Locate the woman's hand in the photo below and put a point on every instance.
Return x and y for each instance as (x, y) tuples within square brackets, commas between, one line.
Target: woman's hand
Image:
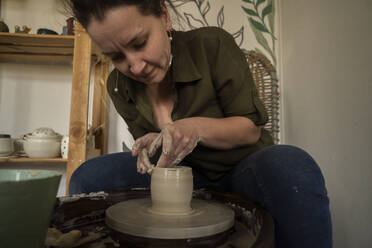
[(177, 139), (141, 149)]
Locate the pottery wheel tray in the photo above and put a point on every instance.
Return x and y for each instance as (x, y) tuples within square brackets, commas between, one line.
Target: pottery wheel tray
[(254, 226)]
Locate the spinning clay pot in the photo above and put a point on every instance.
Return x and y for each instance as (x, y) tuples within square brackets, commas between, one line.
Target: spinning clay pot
[(171, 190)]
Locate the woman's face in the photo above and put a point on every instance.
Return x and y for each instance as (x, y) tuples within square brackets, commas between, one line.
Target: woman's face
[(138, 45)]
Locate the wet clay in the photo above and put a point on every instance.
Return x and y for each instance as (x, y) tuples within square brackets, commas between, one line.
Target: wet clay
[(171, 191), (170, 213)]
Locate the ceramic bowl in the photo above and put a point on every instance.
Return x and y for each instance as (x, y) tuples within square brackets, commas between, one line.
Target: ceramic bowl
[(39, 148), (26, 206), (6, 145), (46, 31)]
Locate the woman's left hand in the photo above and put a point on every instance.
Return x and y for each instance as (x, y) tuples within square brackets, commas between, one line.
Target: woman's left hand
[(141, 149), (177, 139)]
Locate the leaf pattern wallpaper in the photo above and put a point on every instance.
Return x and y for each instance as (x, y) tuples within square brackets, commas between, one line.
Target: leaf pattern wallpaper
[(250, 22)]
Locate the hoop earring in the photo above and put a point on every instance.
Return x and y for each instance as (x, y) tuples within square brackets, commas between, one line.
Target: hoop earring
[(170, 60), (169, 32), (116, 83)]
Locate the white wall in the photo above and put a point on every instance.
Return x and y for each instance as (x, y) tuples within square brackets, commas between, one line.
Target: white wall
[(326, 83), (34, 95)]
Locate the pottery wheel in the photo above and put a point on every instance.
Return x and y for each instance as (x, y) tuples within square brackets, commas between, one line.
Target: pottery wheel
[(134, 218)]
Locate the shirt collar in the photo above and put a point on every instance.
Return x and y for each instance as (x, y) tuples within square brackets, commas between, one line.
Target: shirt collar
[(183, 68)]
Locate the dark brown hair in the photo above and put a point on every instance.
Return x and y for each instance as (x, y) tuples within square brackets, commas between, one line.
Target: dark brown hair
[(84, 10)]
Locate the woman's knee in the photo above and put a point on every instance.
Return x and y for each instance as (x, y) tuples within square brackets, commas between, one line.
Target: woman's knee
[(78, 180), (289, 166), (103, 173)]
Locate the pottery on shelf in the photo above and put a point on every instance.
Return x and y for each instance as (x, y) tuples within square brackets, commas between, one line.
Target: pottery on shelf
[(42, 148), (24, 30), (46, 31), (44, 133), (6, 145), (3, 27), (70, 22), (42, 143)]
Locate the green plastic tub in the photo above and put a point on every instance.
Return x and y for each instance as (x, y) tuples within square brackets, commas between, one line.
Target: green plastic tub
[(27, 199)]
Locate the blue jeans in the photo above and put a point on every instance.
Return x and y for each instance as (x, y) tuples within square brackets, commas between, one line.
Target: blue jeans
[(284, 179)]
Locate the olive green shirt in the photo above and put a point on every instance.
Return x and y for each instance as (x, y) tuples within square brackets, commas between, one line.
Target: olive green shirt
[(211, 78)]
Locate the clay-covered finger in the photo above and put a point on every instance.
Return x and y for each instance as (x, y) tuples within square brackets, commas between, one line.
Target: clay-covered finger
[(143, 162), (167, 141), (149, 171), (138, 144), (164, 161), (185, 146), (180, 147), (141, 168), (143, 142), (140, 164), (176, 161), (186, 150), (146, 161), (155, 145)]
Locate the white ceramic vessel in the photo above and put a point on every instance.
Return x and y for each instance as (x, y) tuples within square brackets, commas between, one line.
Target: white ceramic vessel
[(171, 190), (42, 148), (44, 133), (42, 143)]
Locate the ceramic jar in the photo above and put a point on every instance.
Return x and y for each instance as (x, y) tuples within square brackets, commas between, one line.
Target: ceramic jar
[(3, 26), (6, 145), (42, 143), (44, 133), (171, 190)]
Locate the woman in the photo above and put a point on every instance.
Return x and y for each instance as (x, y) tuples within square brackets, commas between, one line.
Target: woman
[(189, 97)]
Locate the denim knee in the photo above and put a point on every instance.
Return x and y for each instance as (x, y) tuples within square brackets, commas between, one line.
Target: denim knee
[(288, 183), (295, 194), (108, 172), (290, 167), (76, 180)]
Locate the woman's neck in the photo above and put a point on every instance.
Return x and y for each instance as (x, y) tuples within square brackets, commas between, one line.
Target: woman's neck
[(161, 102), (159, 92)]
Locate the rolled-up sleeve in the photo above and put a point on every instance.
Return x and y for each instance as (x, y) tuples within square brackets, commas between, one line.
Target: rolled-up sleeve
[(237, 93)]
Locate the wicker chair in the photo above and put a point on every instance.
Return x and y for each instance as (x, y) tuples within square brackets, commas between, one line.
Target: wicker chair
[(264, 75)]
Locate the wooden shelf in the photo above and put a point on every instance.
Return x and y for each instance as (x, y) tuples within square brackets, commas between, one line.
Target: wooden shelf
[(33, 160), (15, 47), (81, 52), (35, 47)]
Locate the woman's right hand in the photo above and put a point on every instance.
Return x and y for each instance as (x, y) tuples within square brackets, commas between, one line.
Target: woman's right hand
[(141, 148)]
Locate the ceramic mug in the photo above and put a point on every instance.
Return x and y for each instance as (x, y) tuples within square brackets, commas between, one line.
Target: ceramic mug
[(171, 190)]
